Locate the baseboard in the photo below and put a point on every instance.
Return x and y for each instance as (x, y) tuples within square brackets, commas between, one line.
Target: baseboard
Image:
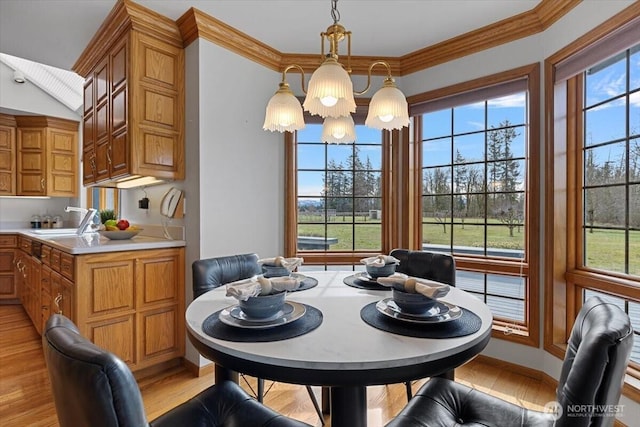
[(199, 371), (518, 369)]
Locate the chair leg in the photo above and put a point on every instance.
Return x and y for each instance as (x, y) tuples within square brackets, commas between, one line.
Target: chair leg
[(407, 384), (260, 394), (315, 404)]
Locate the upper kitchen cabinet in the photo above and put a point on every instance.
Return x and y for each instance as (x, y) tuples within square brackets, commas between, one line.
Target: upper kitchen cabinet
[(38, 156), (133, 99)]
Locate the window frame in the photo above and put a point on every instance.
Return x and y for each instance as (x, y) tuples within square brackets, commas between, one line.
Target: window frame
[(527, 333), (325, 258), (565, 277)]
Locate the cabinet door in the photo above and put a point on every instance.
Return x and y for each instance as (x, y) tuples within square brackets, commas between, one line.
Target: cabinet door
[(63, 295), (31, 162), (61, 173), (160, 305), (119, 99), (102, 118), (7, 277), (157, 125), (45, 294), (7, 160)]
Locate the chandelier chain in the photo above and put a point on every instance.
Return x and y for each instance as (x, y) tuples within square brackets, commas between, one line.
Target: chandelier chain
[(335, 14)]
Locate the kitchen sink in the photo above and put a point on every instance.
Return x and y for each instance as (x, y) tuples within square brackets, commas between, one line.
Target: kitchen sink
[(55, 231)]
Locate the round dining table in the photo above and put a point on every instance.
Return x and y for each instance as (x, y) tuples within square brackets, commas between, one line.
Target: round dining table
[(344, 352)]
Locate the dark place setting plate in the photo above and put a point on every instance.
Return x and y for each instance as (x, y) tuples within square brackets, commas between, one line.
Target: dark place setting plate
[(440, 312), (362, 280), (234, 316)]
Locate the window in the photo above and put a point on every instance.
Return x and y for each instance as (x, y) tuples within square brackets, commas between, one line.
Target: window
[(478, 161), (593, 183), (611, 164), (339, 197)]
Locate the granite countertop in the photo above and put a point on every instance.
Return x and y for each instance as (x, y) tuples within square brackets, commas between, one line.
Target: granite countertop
[(94, 243)]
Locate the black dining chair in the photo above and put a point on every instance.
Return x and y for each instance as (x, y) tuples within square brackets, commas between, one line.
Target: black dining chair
[(211, 273), (436, 266), (591, 377), (94, 388)]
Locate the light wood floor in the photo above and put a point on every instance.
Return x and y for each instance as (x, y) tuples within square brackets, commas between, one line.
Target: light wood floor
[(25, 397)]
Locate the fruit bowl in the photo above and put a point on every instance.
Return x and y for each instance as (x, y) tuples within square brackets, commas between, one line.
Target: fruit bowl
[(119, 234)]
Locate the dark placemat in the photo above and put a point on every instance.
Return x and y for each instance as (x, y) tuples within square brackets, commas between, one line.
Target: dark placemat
[(354, 282), (306, 283), (466, 324), (311, 319)]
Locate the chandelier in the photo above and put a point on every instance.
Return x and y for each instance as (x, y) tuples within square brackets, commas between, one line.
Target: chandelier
[(330, 95)]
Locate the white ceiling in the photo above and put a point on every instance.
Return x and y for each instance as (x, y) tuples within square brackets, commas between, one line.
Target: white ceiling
[(55, 32)]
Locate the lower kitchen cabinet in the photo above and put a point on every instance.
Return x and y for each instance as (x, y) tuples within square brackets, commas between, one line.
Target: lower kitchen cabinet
[(8, 258), (132, 303)]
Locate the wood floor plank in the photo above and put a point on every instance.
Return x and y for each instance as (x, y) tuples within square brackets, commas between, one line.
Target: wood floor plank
[(25, 394)]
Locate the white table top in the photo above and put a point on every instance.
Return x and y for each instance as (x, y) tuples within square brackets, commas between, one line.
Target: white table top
[(343, 341)]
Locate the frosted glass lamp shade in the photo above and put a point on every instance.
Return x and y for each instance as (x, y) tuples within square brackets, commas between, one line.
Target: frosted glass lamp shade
[(338, 130), (284, 112), (388, 108), (330, 92)]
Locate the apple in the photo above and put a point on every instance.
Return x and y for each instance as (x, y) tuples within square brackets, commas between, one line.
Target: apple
[(123, 224), (110, 223)]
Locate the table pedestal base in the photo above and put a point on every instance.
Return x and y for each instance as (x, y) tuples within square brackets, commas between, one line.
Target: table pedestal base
[(349, 406)]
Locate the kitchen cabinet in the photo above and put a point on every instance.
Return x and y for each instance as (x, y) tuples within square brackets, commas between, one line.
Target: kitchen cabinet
[(7, 155), (133, 121), (132, 303), (46, 156), (8, 247), (29, 282)]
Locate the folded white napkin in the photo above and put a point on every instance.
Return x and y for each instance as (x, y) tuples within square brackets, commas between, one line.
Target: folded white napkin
[(260, 285), (415, 285), (244, 289), (380, 260), (279, 261)]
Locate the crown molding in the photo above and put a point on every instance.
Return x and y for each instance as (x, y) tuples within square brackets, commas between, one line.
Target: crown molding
[(197, 24), (125, 16)]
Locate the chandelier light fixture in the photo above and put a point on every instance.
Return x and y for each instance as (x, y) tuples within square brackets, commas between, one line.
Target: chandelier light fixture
[(330, 95)]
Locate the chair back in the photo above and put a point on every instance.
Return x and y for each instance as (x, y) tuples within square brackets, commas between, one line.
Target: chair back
[(213, 272), (91, 387), (594, 365), (436, 266)]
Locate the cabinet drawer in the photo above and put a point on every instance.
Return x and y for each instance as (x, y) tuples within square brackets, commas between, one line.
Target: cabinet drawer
[(55, 259), (66, 265), (45, 255), (25, 244), (8, 241)]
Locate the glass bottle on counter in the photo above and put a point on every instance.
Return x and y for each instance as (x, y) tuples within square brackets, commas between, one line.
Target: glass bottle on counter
[(36, 222), (57, 222), (46, 221)]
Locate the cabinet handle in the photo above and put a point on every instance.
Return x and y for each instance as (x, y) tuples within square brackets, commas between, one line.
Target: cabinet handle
[(109, 155), (56, 301), (93, 163), (42, 183)]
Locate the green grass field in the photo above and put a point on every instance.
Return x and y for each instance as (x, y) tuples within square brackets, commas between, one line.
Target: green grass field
[(605, 248)]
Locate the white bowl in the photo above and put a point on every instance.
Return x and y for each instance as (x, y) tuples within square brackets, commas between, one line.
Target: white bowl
[(120, 234)]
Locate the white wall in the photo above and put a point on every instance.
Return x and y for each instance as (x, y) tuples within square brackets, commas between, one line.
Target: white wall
[(241, 166), (235, 170)]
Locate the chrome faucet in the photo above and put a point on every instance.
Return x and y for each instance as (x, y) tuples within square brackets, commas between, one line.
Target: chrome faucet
[(85, 223)]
